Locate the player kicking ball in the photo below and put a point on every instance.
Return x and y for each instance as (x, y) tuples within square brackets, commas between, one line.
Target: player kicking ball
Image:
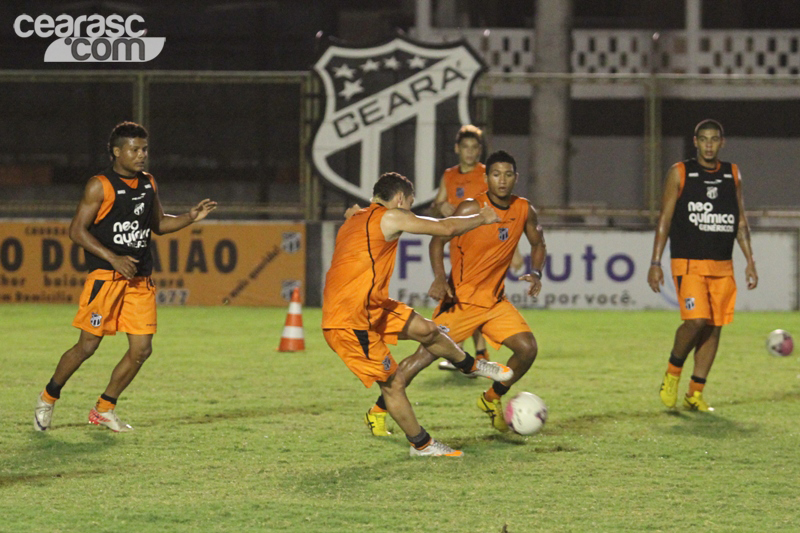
[(473, 297), (359, 318)]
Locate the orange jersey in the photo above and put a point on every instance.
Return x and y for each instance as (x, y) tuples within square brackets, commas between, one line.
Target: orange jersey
[(460, 186), (481, 257), (357, 283)]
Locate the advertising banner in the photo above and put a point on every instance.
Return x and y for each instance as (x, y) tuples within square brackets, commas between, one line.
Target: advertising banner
[(607, 269), (211, 263)]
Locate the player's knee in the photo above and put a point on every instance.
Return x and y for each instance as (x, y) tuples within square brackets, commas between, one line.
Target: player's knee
[(529, 349), (140, 356), (86, 348), (428, 332)]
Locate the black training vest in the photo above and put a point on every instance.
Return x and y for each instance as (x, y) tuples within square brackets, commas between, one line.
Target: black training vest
[(125, 230), (706, 216)]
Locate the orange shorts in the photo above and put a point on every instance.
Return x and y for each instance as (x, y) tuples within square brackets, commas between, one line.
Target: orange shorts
[(365, 351), (497, 323), (110, 303), (709, 297)]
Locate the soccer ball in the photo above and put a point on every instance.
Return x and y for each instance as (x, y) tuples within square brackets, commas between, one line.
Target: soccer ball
[(780, 343), (525, 414)]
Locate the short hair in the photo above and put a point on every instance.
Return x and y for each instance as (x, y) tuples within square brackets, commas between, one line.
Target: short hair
[(389, 184), (125, 130), (500, 156), (709, 124), (469, 131)]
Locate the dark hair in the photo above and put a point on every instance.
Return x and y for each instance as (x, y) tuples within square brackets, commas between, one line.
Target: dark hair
[(500, 156), (709, 124), (469, 131), (125, 130), (389, 184)]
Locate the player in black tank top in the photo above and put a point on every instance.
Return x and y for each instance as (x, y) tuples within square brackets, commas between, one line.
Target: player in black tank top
[(119, 211), (702, 213)]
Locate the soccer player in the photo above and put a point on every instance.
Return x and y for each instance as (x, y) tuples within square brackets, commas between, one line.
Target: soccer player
[(466, 180), (119, 210), (359, 318), (702, 213), (474, 294)]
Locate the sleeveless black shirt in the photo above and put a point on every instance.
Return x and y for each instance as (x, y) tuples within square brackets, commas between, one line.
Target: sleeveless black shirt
[(125, 230), (706, 216)]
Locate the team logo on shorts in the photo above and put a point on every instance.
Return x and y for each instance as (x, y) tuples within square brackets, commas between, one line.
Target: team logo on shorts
[(502, 234), (385, 108), (387, 363), (96, 320), (688, 303), (712, 192)]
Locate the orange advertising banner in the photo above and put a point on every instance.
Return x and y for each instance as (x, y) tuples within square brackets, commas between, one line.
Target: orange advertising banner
[(210, 263)]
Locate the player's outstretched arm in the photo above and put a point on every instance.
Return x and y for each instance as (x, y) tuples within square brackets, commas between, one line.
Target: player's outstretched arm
[(743, 238), (672, 187), (396, 221), (163, 223), (535, 235), (87, 211)]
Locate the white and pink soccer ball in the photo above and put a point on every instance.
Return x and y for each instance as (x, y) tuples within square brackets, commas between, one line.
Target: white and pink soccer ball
[(525, 413), (780, 343)]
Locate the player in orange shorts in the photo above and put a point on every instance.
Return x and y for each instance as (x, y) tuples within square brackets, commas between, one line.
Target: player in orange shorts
[(119, 210), (702, 213), (461, 182), (474, 295), (359, 318)]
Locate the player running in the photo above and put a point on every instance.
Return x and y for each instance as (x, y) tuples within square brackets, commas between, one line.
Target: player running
[(119, 210), (473, 296), (359, 318)]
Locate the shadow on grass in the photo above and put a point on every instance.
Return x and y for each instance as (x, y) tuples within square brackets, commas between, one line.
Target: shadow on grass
[(45, 447)]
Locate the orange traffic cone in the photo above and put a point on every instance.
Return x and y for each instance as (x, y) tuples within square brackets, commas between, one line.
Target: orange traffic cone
[(292, 338)]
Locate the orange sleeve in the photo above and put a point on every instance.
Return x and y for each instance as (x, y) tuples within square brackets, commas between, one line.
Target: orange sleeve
[(736, 176), (682, 169), (109, 195)]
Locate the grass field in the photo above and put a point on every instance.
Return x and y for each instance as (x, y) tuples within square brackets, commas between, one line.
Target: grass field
[(233, 436)]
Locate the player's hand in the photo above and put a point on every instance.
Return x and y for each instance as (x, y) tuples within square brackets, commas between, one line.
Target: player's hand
[(751, 276), (201, 210), (655, 278), (440, 289), (125, 265), (446, 209), (489, 214), (352, 210), (536, 284)]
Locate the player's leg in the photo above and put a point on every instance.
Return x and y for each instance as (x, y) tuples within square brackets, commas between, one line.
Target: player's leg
[(722, 296), (393, 391), (480, 345), (104, 412), (427, 333), (524, 348), (704, 356), (70, 361), (695, 308), (504, 324)]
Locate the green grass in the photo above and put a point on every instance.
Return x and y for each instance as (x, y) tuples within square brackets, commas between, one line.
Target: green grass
[(233, 436)]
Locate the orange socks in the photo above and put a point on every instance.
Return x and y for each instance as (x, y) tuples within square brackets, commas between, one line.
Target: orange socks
[(490, 395), (674, 370), (104, 406), (49, 399), (695, 387), (375, 409)]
